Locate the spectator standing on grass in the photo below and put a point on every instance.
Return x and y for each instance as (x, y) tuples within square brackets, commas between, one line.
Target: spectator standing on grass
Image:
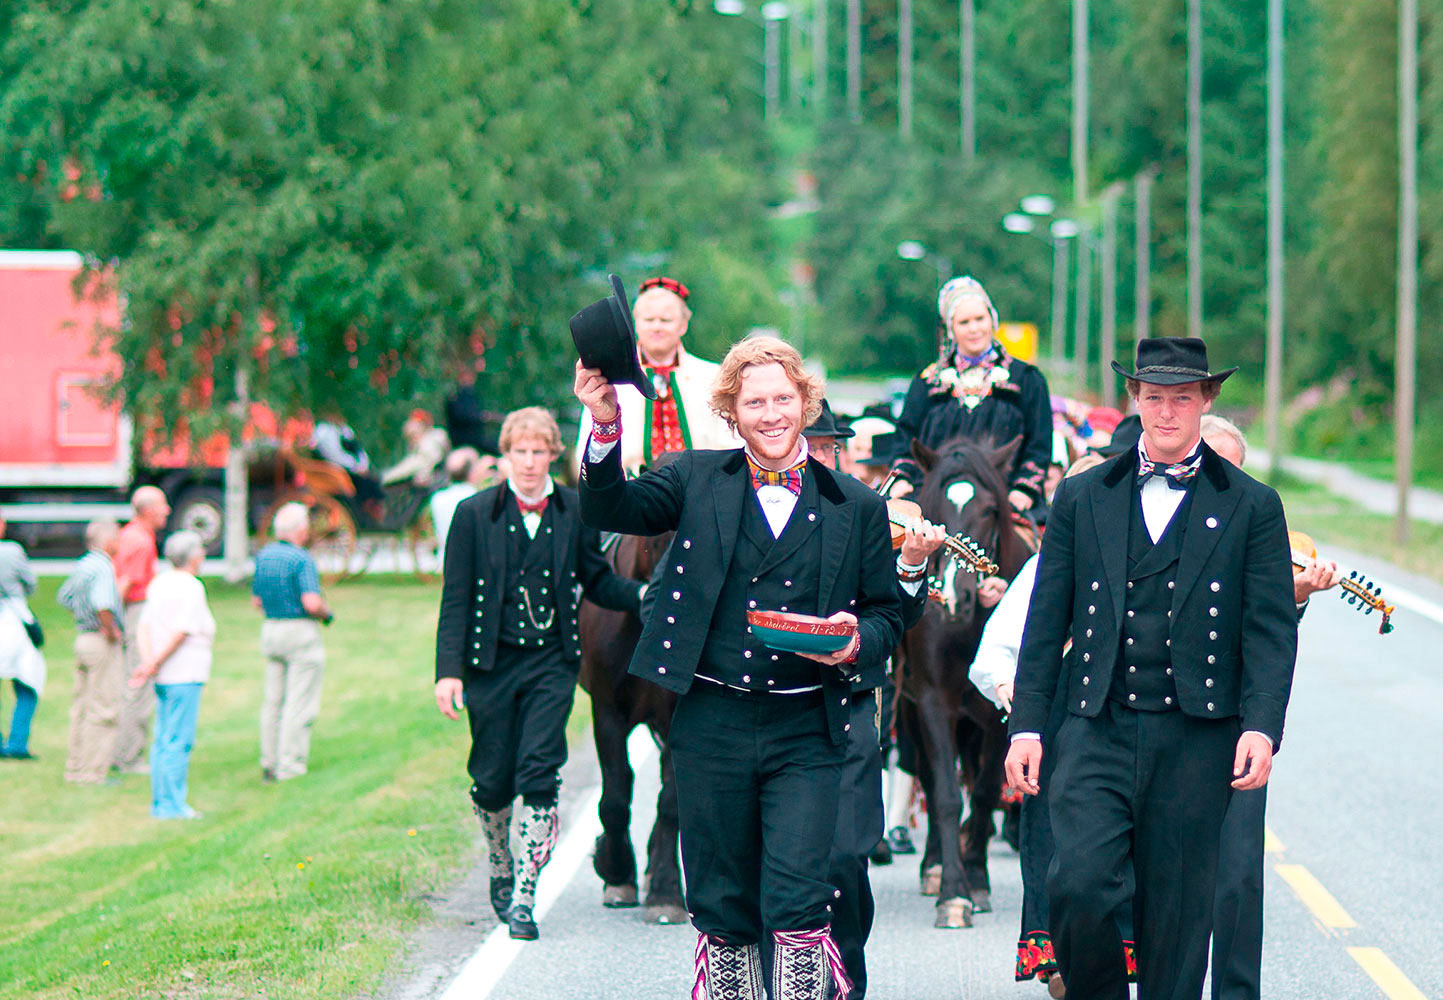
[(90, 594), (462, 467), (288, 589), (175, 633), (135, 558), (20, 658)]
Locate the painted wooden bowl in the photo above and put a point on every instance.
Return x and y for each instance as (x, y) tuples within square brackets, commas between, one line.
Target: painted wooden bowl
[(793, 633)]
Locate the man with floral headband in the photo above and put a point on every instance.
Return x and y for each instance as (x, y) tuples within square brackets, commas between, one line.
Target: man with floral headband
[(680, 418)]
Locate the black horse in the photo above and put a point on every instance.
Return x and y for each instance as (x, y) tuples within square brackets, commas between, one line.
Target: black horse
[(620, 703), (953, 726)]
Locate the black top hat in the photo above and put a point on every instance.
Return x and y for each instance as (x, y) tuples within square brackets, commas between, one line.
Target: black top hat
[(826, 425), (1172, 361), (605, 339)]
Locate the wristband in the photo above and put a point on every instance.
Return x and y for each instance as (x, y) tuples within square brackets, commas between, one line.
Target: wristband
[(608, 432)]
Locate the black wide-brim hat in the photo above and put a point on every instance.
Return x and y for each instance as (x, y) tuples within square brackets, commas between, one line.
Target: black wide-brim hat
[(1124, 437), (826, 426), (1172, 361), (605, 339)]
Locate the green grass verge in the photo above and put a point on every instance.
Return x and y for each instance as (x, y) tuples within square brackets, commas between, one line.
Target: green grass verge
[(302, 889), (1331, 518)]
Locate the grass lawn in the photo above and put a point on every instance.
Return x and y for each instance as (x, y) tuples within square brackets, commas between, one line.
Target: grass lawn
[(1330, 518), (301, 889)]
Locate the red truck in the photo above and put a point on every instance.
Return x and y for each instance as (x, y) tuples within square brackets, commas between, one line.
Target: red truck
[(68, 456)]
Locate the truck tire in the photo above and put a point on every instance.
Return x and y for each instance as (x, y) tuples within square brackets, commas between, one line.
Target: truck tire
[(201, 509)]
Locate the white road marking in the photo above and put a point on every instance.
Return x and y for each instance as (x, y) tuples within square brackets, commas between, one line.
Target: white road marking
[(484, 970)]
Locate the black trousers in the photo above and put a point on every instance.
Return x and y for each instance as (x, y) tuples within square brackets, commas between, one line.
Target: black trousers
[(1238, 910), (859, 826), (757, 779), (1155, 786), (518, 715)]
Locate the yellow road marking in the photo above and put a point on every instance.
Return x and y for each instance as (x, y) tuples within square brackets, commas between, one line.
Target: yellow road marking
[(1315, 897), (1271, 843), (1389, 977)]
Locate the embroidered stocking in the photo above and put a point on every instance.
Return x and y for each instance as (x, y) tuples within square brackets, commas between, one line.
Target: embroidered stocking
[(539, 829), (497, 827)]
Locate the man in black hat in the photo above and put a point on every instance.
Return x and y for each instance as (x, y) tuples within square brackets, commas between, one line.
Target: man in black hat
[(759, 735), (1169, 570)]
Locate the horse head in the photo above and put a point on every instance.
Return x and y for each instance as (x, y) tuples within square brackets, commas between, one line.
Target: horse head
[(964, 487)]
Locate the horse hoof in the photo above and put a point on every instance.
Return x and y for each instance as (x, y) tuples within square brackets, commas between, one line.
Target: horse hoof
[(954, 913), (665, 914), (932, 881), (618, 897), (981, 901), (1055, 988)]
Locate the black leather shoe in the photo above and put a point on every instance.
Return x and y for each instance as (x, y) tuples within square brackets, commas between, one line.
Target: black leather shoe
[(882, 853), (899, 838), (501, 896), (523, 928)]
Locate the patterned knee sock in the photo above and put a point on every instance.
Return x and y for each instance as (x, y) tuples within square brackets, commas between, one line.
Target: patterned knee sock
[(539, 828), (497, 827)]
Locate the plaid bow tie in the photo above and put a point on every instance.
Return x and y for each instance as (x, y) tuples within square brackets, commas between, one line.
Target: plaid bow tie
[(1179, 476), (790, 478), (527, 507)]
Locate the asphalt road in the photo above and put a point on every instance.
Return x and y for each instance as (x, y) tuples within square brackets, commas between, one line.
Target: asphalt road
[(1354, 887)]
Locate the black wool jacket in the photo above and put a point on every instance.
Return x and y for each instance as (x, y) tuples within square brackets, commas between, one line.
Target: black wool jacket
[(475, 573), (1234, 627), (700, 497)]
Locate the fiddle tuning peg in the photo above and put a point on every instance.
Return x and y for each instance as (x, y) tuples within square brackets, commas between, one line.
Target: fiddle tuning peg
[(1352, 574)]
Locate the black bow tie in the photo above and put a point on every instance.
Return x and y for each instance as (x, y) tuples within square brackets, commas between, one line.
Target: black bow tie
[(1179, 476)]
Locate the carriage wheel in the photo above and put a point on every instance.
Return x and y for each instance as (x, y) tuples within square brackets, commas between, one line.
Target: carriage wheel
[(420, 537), (333, 532)]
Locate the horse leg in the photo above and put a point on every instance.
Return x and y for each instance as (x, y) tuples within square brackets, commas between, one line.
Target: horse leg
[(615, 861), (986, 795), (664, 903), (944, 811), (930, 870)]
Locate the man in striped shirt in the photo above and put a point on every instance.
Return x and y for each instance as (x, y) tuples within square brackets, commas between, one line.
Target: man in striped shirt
[(91, 596)]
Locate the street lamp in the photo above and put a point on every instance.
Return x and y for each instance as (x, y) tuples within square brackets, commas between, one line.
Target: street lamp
[(915, 250), (772, 14), (1038, 204), (1033, 207), (1017, 222)]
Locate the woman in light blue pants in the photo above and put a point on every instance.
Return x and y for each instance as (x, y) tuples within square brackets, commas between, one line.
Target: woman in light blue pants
[(177, 633)]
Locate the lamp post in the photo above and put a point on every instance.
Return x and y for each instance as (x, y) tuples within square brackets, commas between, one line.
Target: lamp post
[(915, 250), (1059, 233), (772, 13)]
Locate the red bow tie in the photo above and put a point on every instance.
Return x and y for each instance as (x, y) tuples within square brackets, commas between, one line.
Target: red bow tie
[(527, 507), (789, 478)]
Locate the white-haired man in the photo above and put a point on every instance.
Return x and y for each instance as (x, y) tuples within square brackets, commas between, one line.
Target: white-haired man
[(93, 599), (681, 417), (287, 589), (135, 559)]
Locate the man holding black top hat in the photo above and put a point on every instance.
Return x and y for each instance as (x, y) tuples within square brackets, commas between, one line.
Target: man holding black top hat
[(1169, 570), (758, 733), (668, 408)]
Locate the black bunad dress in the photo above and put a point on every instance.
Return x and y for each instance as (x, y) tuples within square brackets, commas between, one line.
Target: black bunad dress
[(1178, 646), (999, 399), (758, 736)]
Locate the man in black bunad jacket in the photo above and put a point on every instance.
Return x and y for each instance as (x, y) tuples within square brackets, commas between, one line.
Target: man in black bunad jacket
[(518, 562), (1169, 570), (758, 736)]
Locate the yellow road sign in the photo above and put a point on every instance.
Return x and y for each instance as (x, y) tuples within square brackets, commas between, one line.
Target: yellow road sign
[(1020, 339)]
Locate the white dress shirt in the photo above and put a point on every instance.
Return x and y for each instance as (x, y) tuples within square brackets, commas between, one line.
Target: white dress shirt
[(532, 521), (1159, 500), (996, 661), (778, 502)]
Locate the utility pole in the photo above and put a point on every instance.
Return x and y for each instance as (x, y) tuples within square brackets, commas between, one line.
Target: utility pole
[(1194, 169), (904, 69), (1084, 309), (1142, 289), (819, 57), (1107, 349), (1059, 300), (1079, 105), (969, 80), (1273, 370), (854, 60), (796, 81), (772, 68), (1406, 361)]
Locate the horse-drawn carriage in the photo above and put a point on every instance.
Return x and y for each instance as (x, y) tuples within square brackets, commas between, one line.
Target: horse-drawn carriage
[(347, 533)]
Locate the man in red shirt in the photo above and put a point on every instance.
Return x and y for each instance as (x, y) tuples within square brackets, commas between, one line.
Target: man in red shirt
[(135, 560)]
